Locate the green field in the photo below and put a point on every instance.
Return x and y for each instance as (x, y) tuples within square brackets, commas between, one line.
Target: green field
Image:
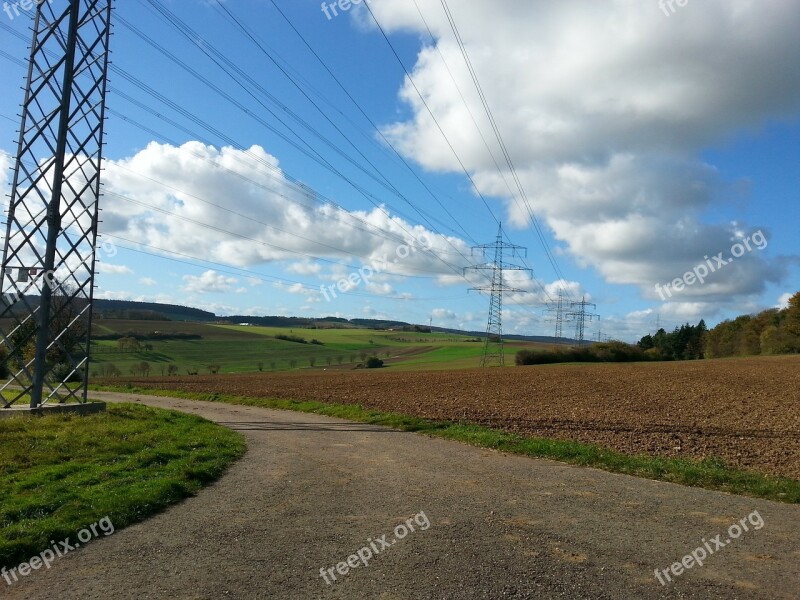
[(244, 348), (61, 473)]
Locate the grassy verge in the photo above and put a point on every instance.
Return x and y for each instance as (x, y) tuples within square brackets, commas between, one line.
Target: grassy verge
[(709, 474), (59, 474)]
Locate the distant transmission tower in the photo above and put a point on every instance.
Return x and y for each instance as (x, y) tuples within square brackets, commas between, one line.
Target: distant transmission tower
[(493, 345), (47, 276), (558, 308), (580, 315)]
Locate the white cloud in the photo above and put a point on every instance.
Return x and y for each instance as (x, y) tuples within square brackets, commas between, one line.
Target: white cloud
[(605, 108), (148, 281), (783, 301), (443, 314), (122, 295), (294, 288), (5, 165), (305, 268), (288, 222), (110, 269), (381, 289), (209, 282)]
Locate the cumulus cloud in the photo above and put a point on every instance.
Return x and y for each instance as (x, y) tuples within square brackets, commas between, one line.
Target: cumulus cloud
[(148, 281), (109, 269), (605, 108), (305, 268), (783, 301), (238, 207), (5, 165), (209, 282), (443, 314)]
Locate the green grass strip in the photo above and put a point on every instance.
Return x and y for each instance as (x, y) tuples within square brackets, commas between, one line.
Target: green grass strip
[(712, 474), (60, 474)]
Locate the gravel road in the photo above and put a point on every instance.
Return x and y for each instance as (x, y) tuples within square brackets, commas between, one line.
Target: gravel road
[(312, 491)]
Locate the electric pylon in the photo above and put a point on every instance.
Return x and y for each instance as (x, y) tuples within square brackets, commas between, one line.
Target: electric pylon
[(47, 276), (558, 308), (580, 315), (493, 345)]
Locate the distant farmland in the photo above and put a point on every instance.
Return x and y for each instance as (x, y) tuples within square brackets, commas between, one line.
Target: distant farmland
[(242, 348), (742, 411)]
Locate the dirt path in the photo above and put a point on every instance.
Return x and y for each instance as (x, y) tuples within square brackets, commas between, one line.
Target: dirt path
[(312, 490)]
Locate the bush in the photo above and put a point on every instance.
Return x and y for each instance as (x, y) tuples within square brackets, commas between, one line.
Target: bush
[(291, 338), (374, 363), (109, 370), (61, 372), (606, 352), (4, 371), (614, 351)]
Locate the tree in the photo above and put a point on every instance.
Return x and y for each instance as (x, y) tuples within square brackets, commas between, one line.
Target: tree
[(646, 342), (312, 360), (109, 370), (374, 363), (129, 344), (293, 363), (172, 370), (775, 340), (260, 365), (792, 320), (214, 369), (340, 359)]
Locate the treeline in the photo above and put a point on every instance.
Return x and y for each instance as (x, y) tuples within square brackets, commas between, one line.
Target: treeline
[(612, 351), (686, 342), (132, 315), (773, 331), (150, 336)]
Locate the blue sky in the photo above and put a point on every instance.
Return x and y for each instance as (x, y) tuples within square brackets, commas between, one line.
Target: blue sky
[(644, 141)]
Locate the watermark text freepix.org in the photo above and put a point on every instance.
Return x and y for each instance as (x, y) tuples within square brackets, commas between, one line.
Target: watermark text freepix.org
[(712, 265), (367, 272), (47, 557), (668, 6), (15, 9), (375, 547), (331, 9), (701, 553)]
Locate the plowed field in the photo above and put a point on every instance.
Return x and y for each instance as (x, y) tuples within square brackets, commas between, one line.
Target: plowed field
[(745, 411)]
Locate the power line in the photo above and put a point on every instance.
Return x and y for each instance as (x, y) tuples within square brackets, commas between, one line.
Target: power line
[(501, 141), (493, 353), (192, 36), (240, 271), (365, 115), (430, 112), (581, 315)]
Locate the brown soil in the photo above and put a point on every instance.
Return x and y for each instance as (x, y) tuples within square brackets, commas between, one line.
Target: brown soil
[(744, 411)]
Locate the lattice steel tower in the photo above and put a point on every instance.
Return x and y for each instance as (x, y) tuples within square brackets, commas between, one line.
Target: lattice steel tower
[(51, 234), (493, 345), (581, 315), (558, 308)]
